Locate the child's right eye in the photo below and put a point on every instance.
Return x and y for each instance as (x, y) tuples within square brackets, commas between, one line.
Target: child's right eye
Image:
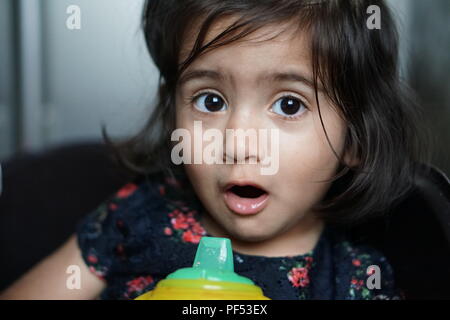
[(208, 102)]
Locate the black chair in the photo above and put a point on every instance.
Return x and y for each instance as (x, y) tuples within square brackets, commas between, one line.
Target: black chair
[(415, 237), (45, 195)]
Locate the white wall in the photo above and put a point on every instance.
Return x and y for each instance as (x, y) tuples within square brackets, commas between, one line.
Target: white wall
[(402, 14), (98, 74), (6, 96)]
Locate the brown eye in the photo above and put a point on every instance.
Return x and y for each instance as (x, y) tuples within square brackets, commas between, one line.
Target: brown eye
[(289, 106), (209, 102)]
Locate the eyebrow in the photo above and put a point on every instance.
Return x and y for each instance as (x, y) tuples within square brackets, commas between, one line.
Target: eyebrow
[(272, 77), (200, 74)]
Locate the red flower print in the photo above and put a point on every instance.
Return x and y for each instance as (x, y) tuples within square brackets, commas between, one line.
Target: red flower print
[(356, 262), (113, 206), (190, 219), (139, 284), (299, 277), (126, 190), (92, 259), (162, 190), (180, 222), (198, 229), (357, 284), (186, 222), (188, 236), (370, 271), (175, 213), (97, 272)]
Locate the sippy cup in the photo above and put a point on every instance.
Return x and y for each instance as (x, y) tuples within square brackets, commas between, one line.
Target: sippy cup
[(211, 277)]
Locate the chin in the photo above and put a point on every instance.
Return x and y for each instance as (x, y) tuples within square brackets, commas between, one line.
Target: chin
[(250, 235)]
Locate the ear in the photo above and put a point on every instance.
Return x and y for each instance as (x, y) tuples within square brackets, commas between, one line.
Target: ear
[(351, 157)]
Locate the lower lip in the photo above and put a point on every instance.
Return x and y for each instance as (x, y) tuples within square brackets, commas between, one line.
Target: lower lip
[(245, 206)]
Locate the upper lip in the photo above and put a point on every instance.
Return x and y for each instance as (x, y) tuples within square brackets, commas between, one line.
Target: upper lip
[(243, 183)]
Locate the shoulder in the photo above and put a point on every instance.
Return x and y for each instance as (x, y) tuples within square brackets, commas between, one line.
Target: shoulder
[(363, 272), (139, 234), (131, 210), (128, 202)]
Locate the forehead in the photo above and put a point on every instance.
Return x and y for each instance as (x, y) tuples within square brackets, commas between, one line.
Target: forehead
[(272, 45)]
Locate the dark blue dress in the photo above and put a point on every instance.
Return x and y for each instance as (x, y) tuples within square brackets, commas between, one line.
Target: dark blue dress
[(150, 228)]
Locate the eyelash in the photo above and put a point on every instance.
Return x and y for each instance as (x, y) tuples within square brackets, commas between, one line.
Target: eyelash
[(194, 97)]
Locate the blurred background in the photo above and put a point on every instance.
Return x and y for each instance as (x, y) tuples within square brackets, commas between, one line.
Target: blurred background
[(58, 86)]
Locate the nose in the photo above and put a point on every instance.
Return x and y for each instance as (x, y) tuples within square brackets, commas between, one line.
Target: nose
[(241, 137)]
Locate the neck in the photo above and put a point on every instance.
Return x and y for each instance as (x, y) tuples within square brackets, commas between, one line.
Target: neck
[(298, 240)]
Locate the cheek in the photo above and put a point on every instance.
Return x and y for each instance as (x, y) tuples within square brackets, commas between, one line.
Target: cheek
[(202, 177), (308, 154), (305, 166)]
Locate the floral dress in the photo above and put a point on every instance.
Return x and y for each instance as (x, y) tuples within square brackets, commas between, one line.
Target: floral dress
[(150, 228)]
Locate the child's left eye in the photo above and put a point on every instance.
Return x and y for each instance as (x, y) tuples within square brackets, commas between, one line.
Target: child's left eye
[(208, 102), (290, 107)]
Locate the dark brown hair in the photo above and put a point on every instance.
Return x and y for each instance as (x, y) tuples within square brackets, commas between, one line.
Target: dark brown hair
[(358, 68)]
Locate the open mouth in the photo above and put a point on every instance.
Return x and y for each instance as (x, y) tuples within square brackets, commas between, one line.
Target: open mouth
[(247, 191), (245, 199)]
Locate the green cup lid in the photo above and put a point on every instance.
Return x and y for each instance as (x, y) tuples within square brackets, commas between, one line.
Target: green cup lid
[(213, 261)]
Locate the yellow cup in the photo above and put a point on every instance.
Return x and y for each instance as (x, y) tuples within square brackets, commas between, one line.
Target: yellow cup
[(211, 277), (170, 289)]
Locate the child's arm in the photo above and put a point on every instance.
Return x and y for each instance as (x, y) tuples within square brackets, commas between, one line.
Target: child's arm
[(47, 280)]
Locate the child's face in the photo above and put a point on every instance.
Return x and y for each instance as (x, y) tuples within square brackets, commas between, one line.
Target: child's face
[(305, 157)]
